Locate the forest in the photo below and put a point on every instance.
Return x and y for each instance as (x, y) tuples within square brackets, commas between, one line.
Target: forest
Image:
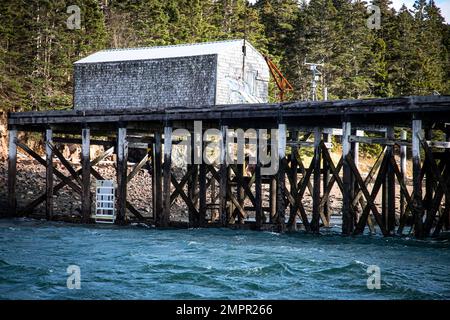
[(407, 55)]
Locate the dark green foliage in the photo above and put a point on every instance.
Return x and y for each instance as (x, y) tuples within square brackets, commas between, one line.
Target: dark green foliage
[(409, 55)]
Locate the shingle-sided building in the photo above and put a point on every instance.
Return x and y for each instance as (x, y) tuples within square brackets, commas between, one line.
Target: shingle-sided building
[(183, 75)]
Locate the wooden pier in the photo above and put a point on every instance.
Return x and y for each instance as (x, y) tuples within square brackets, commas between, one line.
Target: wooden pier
[(232, 194)]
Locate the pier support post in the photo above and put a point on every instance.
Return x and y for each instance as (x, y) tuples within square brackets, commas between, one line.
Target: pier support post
[(157, 178), (316, 185), (347, 217), (390, 222), (326, 179), (202, 195), (292, 225), (417, 183), (12, 172), (223, 178), (258, 187), (192, 184), (49, 174), (280, 204), (403, 152), (122, 161), (86, 201), (164, 222)]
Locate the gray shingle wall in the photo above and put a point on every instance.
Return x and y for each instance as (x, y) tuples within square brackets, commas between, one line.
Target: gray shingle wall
[(184, 81), (230, 73)]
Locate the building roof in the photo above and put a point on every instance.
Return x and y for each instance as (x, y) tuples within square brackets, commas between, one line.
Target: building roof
[(173, 51)]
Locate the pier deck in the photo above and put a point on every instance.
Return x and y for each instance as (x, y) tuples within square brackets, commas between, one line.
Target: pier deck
[(232, 193)]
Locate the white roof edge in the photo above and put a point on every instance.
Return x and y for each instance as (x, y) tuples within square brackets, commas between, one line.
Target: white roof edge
[(160, 52)]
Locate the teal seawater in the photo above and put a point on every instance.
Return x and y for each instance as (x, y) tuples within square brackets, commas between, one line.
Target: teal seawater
[(143, 263)]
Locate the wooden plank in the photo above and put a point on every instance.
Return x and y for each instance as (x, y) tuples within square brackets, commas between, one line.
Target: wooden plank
[(223, 178), (165, 217), (12, 172), (327, 137), (380, 141), (137, 168), (157, 178), (258, 185), (280, 204), (66, 163), (390, 223), (403, 159), (122, 160), (347, 194), (86, 198), (417, 182), (317, 178), (293, 180), (49, 174), (202, 194)]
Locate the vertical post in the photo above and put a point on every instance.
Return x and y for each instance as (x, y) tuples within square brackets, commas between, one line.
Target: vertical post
[(86, 200), (192, 182), (258, 187), (49, 174), (281, 208), (417, 183), (12, 172), (403, 151), (347, 219), (294, 172), (390, 225), (157, 179), (164, 222), (240, 188), (429, 175), (316, 189), (202, 195), (223, 178), (273, 198), (122, 161), (326, 178)]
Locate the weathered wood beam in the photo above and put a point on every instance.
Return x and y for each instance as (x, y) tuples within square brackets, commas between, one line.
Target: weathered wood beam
[(12, 172), (317, 178), (280, 204), (347, 194), (258, 186), (390, 185), (86, 198), (157, 196), (49, 174), (223, 178), (164, 221), (122, 160), (417, 182)]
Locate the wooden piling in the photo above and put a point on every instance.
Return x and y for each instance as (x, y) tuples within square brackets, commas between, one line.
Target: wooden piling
[(316, 184), (403, 154), (165, 217), (49, 174), (12, 172), (258, 186), (157, 178), (280, 204), (347, 218), (327, 138), (122, 161), (86, 199), (390, 188), (417, 183), (292, 226), (223, 185)]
